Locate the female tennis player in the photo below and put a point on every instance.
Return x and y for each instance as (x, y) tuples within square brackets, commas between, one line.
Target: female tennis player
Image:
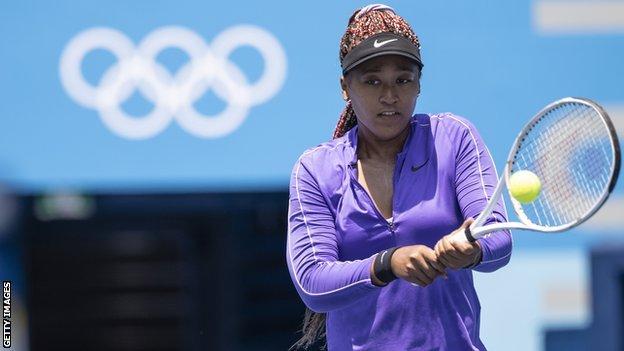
[(371, 211)]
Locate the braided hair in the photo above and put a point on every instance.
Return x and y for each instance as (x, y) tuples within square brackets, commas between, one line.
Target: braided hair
[(363, 23)]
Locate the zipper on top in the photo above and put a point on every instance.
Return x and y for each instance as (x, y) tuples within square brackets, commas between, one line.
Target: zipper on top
[(389, 224)]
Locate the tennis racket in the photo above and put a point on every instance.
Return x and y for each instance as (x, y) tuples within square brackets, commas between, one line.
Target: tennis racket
[(572, 146)]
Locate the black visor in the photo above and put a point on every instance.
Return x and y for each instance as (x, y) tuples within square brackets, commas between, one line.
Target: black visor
[(378, 45)]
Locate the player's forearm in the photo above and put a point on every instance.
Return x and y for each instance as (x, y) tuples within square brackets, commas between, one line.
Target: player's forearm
[(327, 286), (496, 251)]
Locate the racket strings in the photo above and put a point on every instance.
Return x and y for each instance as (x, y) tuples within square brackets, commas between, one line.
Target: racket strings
[(569, 148), (579, 191), (572, 208), (534, 154)]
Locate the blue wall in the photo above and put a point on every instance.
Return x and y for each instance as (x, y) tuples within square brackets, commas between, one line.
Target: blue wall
[(484, 60)]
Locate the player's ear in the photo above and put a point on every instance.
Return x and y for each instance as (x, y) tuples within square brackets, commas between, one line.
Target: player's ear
[(345, 96), (343, 86)]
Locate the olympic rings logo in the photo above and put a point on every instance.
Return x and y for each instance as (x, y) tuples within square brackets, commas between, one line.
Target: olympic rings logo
[(173, 96)]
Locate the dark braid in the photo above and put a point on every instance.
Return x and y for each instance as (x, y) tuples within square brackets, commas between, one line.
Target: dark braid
[(313, 330), (360, 27), (346, 121), (371, 21)]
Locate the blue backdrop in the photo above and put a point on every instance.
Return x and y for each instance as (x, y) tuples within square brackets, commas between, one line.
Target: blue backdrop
[(484, 60)]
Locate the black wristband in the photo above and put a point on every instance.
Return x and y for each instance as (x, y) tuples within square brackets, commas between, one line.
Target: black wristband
[(383, 265), (476, 262)]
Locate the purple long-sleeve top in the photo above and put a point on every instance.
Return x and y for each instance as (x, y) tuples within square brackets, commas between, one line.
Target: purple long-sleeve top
[(443, 175)]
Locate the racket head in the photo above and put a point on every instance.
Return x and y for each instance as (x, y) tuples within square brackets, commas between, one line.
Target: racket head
[(572, 146)]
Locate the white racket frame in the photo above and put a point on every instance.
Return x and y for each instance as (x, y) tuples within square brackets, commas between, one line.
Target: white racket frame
[(476, 230)]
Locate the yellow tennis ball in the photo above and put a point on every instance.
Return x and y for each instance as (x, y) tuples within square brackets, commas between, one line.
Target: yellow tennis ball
[(524, 186)]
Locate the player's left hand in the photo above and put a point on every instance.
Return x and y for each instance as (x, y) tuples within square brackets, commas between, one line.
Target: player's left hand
[(457, 254)]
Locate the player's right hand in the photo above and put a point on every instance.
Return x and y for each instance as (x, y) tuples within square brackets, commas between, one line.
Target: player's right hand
[(417, 264)]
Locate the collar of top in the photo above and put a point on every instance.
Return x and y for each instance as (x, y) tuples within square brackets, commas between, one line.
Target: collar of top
[(386, 43), (419, 138)]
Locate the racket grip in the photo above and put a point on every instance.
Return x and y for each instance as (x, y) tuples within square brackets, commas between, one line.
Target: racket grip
[(469, 236)]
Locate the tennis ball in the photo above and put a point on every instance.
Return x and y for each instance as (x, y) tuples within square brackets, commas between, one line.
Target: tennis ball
[(524, 186)]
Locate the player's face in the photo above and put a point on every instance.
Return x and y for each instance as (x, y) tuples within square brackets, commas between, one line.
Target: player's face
[(383, 92)]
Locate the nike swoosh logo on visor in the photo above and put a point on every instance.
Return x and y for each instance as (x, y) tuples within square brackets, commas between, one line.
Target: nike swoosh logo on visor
[(382, 43)]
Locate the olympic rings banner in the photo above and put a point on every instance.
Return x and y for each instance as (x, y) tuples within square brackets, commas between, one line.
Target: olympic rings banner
[(200, 96), (173, 96)]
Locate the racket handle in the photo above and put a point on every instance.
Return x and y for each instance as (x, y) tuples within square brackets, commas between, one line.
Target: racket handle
[(469, 236)]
